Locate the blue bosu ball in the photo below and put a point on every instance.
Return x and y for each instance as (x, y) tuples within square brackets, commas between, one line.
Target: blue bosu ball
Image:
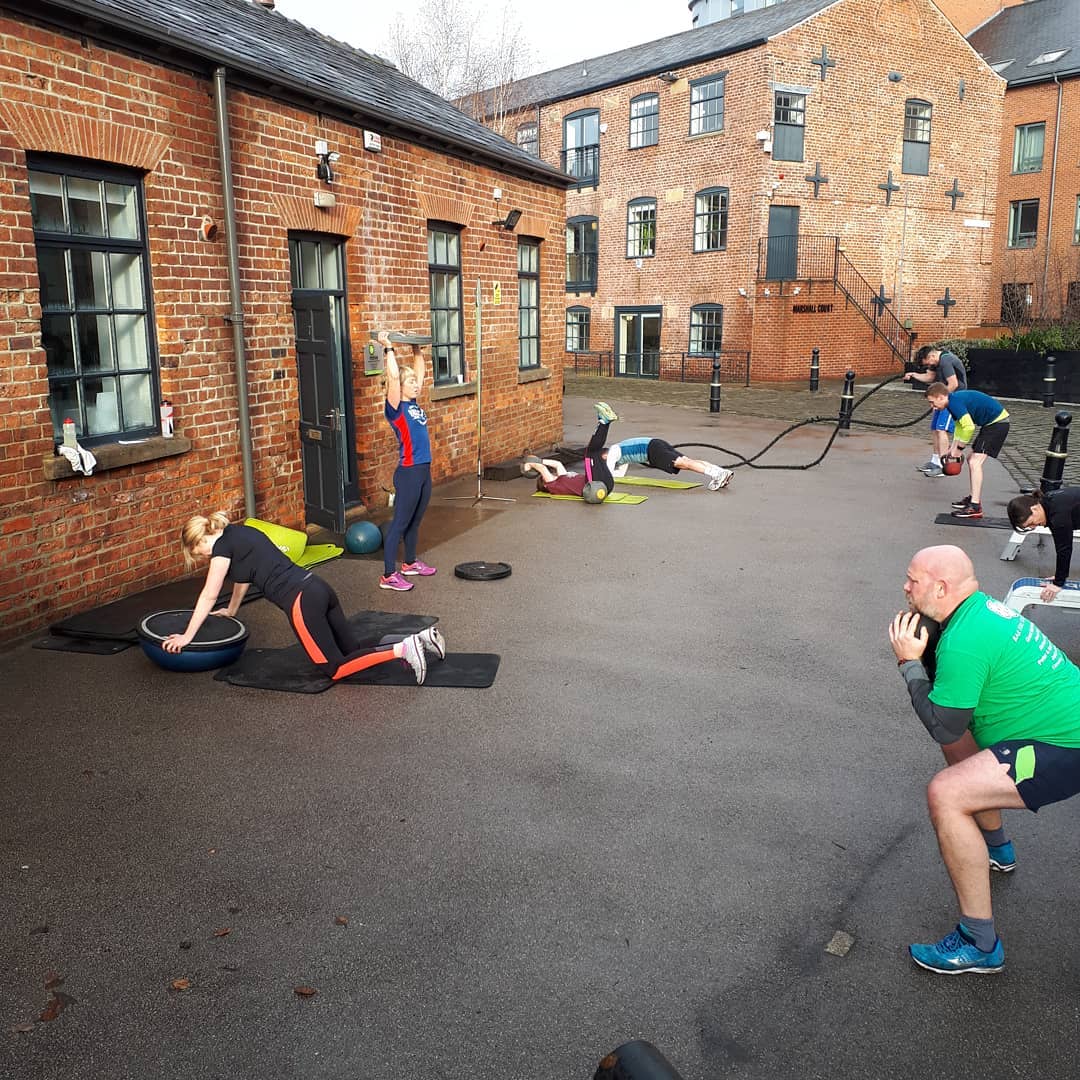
[(363, 537), (219, 641)]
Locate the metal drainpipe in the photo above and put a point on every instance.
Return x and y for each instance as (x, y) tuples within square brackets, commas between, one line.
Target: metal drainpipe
[(236, 315), (1053, 185)]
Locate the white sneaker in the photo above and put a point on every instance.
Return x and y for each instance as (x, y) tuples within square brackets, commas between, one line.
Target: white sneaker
[(412, 652), (433, 641), (720, 478)]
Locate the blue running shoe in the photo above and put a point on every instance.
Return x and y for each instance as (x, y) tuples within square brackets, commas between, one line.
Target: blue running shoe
[(605, 412), (1003, 858), (955, 954)]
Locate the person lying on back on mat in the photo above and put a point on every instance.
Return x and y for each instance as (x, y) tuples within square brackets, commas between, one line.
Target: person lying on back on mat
[(661, 455), (412, 477), (246, 556), (553, 477), (1059, 511)]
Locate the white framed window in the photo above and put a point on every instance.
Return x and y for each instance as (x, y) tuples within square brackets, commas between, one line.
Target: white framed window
[(96, 315), (644, 120), (711, 219), (707, 105), (1029, 141), (641, 229)]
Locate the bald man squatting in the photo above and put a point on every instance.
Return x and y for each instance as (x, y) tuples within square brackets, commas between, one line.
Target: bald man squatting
[(1005, 706)]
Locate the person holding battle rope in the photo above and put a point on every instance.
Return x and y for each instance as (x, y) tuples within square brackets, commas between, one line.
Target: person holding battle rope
[(246, 556), (1004, 704), (412, 478), (945, 368), (970, 408), (553, 477)]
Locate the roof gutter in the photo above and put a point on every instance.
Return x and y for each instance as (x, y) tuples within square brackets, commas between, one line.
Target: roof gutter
[(236, 315)]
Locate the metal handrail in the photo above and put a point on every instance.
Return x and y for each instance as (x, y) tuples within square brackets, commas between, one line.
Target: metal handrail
[(820, 258)]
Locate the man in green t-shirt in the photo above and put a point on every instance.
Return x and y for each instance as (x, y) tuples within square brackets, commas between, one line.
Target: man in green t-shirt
[(1004, 703)]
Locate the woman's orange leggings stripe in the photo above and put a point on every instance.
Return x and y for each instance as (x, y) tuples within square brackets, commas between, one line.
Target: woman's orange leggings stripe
[(349, 667)]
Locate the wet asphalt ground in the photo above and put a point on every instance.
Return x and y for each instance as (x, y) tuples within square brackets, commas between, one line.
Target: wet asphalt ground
[(696, 766)]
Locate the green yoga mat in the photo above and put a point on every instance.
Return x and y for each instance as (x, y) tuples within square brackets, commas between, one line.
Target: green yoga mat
[(617, 497), (314, 554), (649, 481)]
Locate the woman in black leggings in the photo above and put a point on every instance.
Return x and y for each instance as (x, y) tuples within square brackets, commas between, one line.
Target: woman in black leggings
[(246, 556)]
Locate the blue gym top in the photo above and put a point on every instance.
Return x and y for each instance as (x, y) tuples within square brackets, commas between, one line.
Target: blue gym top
[(409, 422), (635, 450), (982, 408), (254, 560)]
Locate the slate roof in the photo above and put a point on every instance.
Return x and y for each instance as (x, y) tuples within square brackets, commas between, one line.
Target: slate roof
[(1029, 30), (265, 51), (733, 35)]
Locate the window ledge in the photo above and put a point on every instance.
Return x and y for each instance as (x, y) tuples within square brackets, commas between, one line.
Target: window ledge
[(114, 456), (452, 390), (535, 374)]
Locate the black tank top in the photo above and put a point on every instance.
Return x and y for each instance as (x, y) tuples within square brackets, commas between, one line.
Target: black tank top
[(254, 560)]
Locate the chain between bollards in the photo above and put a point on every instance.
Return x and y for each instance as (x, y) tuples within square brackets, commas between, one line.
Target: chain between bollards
[(1056, 453), (714, 387), (847, 402), (815, 368)]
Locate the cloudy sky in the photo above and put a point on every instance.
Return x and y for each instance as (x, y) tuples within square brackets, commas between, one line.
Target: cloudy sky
[(558, 31)]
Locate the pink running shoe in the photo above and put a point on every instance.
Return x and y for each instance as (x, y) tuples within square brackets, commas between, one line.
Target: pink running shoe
[(421, 568), (396, 582)]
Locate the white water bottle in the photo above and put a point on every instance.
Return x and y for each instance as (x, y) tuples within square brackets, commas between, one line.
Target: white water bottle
[(166, 418), (69, 432)]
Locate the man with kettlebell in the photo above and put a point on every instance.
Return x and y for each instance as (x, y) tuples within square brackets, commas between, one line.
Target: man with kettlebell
[(943, 367)]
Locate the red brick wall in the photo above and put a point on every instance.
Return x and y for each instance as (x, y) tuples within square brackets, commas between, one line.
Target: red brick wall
[(1050, 272), (916, 246), (965, 15), (72, 544)]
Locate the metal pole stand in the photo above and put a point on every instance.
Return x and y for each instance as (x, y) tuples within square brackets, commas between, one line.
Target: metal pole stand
[(815, 368), (1056, 453), (847, 402), (479, 496), (714, 387), (1049, 383)]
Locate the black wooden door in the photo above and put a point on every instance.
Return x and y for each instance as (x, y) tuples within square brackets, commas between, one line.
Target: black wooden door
[(321, 421)]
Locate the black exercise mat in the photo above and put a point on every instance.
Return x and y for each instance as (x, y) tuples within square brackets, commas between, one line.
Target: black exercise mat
[(975, 523), (290, 669), (473, 671), (89, 646), (117, 621), (1060, 624)]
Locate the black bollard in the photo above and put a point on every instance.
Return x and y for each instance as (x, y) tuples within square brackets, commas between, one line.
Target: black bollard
[(847, 402), (714, 387), (1049, 383), (638, 1060), (1056, 453), (815, 368)]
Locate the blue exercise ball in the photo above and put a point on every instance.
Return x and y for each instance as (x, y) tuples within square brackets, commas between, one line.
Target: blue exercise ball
[(363, 537)]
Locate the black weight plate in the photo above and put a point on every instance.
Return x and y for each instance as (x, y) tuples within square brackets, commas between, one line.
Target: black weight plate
[(482, 571), (217, 632)]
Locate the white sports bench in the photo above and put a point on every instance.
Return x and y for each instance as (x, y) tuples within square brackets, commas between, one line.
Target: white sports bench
[(1017, 538), (1026, 590)]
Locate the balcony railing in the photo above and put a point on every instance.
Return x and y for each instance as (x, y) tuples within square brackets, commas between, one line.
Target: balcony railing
[(582, 163), (581, 271)]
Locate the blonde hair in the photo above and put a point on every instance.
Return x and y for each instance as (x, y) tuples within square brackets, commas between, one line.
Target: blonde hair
[(196, 529)]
